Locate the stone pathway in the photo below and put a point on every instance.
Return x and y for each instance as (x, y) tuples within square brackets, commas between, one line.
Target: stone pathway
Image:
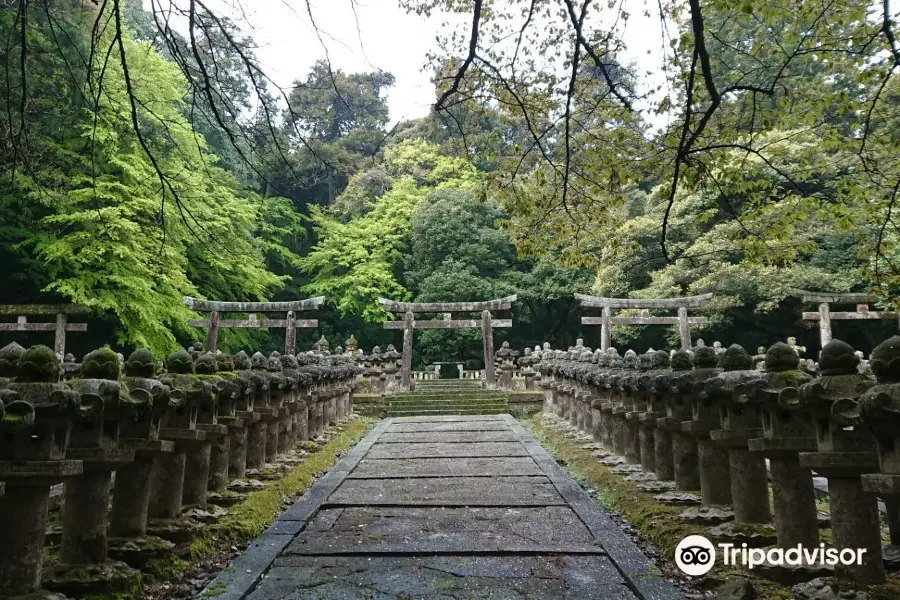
[(452, 507)]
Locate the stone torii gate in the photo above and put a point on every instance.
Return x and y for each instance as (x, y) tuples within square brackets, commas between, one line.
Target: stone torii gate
[(486, 324), (606, 321), (289, 322), (60, 327), (824, 315)]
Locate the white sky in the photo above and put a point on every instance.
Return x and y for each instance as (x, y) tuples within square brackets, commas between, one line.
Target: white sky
[(387, 38)]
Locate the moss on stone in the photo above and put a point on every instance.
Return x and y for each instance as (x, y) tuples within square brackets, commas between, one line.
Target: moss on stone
[(247, 520), (660, 524)]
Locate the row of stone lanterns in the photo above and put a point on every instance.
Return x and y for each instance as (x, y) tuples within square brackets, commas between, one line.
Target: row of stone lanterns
[(706, 420), (172, 437)]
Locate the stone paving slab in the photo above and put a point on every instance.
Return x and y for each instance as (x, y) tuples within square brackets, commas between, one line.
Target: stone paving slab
[(446, 530), (451, 426), (443, 578), (447, 491), (448, 437), (446, 467), (435, 450), (447, 514)]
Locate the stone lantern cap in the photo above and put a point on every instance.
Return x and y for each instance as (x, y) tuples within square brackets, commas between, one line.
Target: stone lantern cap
[(880, 407), (35, 417)]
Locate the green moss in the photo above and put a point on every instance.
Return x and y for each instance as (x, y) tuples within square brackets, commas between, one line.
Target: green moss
[(659, 524), (247, 520)]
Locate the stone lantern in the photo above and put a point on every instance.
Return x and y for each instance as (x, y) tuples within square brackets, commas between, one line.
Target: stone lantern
[(674, 388), (654, 407), (321, 346), (249, 382), (170, 475), (255, 374), (391, 366), (846, 451), (219, 419), (277, 413), (352, 345), (635, 400), (36, 413), (607, 401), (505, 361), (786, 431), (150, 403), (715, 472), (738, 424), (599, 393), (526, 363), (626, 442), (881, 410), (374, 370), (298, 416), (84, 566)]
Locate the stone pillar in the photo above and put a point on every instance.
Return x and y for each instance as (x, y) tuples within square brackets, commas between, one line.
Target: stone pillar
[(712, 459), (32, 459), (167, 480), (409, 322), (846, 452), (715, 473), (740, 423), (488, 338), (237, 449), (23, 515)]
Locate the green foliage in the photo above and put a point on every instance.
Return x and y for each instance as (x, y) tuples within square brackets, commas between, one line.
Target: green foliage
[(354, 263), (98, 225)]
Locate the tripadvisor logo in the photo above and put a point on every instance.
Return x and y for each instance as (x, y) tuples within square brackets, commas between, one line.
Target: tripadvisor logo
[(695, 555)]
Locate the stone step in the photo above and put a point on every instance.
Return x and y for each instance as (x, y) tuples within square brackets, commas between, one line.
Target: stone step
[(464, 411), (420, 402), (448, 406), (449, 383), (454, 395)]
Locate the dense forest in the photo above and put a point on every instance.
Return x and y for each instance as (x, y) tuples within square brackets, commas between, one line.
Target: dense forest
[(140, 164)]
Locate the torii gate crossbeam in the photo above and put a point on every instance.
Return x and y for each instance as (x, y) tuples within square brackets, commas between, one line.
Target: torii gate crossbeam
[(289, 323), (486, 324), (606, 321)]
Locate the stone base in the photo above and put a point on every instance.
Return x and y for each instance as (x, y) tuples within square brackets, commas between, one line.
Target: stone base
[(627, 469), (225, 500), (612, 461), (792, 575), (271, 472), (39, 595), (209, 514), (641, 476), (824, 520), (677, 499), (602, 454), (592, 446), (891, 556), (112, 578), (755, 535), (707, 515), (244, 486), (177, 531), (137, 552), (293, 457), (819, 590), (655, 487), (53, 535), (309, 446)]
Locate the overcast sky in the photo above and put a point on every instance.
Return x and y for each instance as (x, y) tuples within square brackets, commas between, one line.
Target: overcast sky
[(387, 38)]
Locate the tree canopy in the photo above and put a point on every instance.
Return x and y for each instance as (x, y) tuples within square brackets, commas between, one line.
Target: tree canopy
[(146, 155)]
